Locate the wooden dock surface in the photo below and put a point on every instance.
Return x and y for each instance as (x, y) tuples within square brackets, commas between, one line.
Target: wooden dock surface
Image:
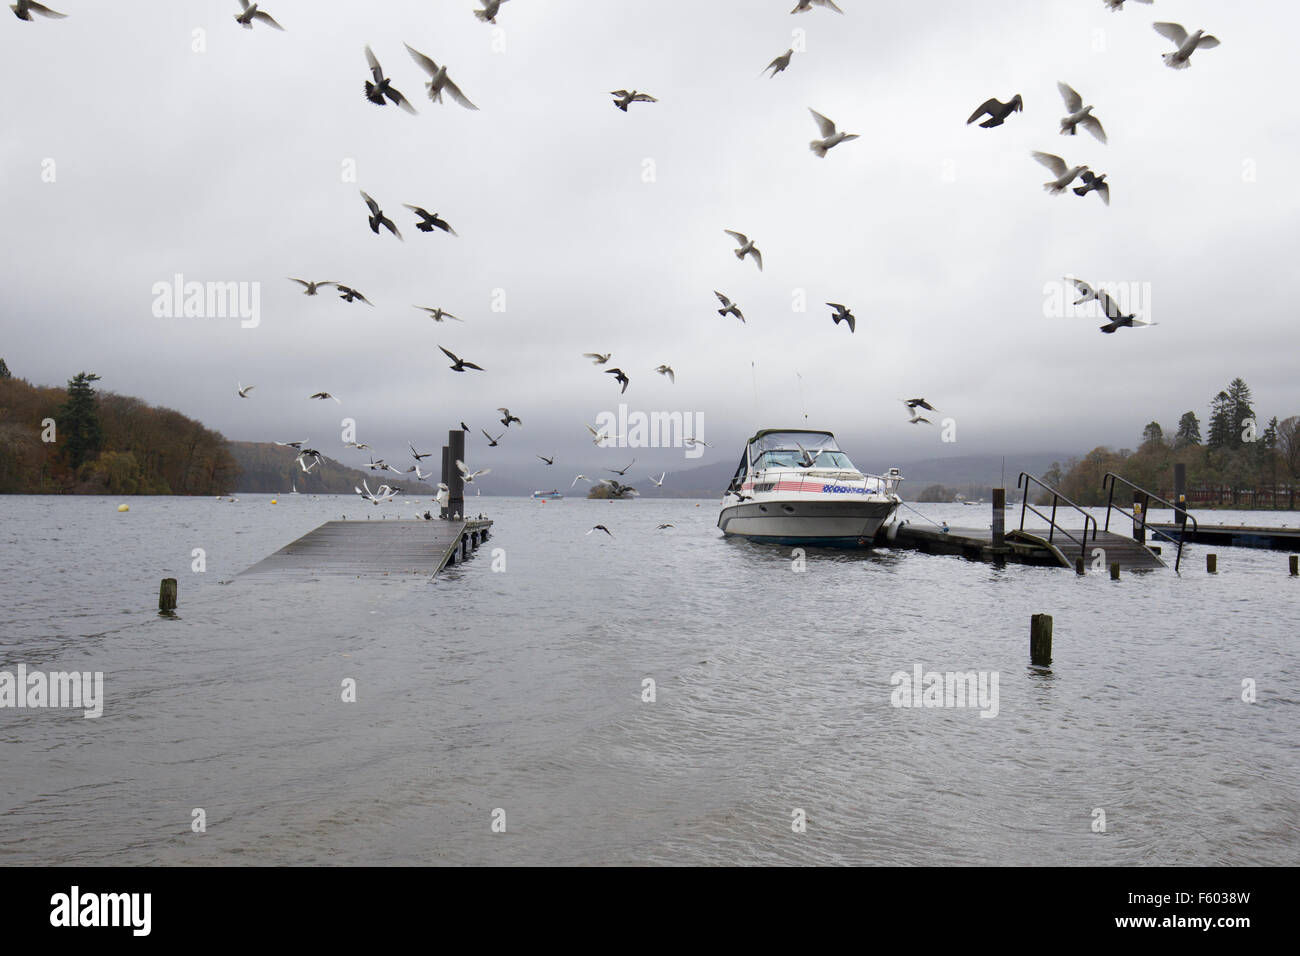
[(355, 548)]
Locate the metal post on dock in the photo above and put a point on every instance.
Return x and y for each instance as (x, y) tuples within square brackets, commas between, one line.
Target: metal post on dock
[(1040, 639), (1212, 563), (455, 483), (1180, 495), (1295, 565), (1139, 517)]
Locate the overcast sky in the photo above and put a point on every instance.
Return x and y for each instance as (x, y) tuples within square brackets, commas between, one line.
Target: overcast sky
[(229, 165)]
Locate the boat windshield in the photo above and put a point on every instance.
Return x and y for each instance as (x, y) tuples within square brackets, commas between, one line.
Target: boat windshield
[(795, 459), (782, 450)]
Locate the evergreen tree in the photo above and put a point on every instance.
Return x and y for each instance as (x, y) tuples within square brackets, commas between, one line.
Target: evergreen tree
[(1189, 431), (1152, 435), (1222, 430), (1239, 396), (4, 370), (78, 421)]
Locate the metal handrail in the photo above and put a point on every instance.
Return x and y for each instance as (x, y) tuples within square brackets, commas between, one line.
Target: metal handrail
[(1053, 527), (1111, 478)]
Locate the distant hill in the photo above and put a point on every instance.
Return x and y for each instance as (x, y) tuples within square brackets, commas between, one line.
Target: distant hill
[(267, 468), (971, 475)]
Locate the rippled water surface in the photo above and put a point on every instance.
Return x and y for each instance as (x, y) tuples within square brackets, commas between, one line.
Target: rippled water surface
[(520, 690)]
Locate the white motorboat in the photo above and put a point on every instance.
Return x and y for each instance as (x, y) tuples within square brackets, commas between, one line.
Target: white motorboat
[(795, 486)]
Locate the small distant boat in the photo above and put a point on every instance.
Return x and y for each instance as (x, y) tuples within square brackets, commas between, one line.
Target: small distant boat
[(795, 486), (551, 495)]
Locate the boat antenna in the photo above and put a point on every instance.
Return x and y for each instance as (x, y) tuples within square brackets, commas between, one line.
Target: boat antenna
[(802, 405), (754, 371)]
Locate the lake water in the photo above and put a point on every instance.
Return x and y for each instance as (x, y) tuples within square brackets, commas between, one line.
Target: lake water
[(521, 690)]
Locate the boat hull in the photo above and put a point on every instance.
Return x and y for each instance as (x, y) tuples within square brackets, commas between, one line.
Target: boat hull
[(850, 524)]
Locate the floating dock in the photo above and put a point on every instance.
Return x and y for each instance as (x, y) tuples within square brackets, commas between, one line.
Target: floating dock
[(1235, 536), (1024, 547), (356, 548)]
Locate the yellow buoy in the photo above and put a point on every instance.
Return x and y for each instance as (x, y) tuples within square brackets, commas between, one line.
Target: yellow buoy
[(123, 507), (273, 501)]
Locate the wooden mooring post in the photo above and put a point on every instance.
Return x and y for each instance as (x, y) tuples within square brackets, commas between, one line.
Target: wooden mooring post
[(167, 595), (1212, 563), (1295, 564), (455, 482), (1040, 639), (999, 525), (1114, 570), (446, 480)]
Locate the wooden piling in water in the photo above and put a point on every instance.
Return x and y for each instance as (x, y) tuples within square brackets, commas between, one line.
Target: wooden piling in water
[(1295, 565), (456, 483), (1078, 565), (1212, 563), (167, 595), (1040, 639), (447, 468), (999, 517), (1114, 570)]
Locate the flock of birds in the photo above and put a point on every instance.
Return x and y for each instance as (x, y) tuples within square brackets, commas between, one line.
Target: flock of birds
[(379, 89)]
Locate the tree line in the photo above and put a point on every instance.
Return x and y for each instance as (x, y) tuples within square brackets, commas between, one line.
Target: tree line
[(1240, 462), (79, 440)]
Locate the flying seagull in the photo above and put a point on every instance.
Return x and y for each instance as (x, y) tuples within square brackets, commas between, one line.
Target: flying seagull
[(309, 288), (579, 478), (623, 98), (439, 82), (1119, 4), (460, 364), (667, 370), (809, 458), (349, 295), (382, 86), (729, 307), (598, 437), (916, 419), (842, 314), (621, 472), (294, 444), (747, 247), (803, 6), (24, 9), (658, 482), (830, 137), (620, 377), (1064, 174), (377, 217), (549, 461), (914, 403), (662, 526), (780, 63), (417, 455), (1187, 45), (601, 527), (324, 395), (437, 314), (492, 442), (997, 111), (597, 358), (355, 444), (1080, 115), (251, 13), (1108, 305), (244, 389), (508, 417), (489, 12), (1094, 183), (468, 475), (430, 220), (695, 441)]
